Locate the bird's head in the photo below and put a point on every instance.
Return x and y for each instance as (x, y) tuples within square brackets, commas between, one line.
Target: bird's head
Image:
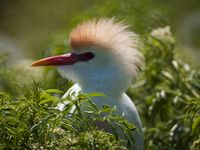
[(102, 52)]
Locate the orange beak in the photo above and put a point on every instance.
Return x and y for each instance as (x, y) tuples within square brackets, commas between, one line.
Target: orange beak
[(66, 59)]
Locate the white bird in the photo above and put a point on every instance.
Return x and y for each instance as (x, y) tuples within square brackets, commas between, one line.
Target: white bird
[(104, 59)]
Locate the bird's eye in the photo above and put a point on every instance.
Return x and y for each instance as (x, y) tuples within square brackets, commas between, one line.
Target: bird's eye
[(89, 55)]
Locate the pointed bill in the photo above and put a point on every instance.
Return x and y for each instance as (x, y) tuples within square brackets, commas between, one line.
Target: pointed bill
[(66, 59)]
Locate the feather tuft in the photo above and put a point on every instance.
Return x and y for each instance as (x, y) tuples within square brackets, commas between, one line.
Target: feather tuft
[(113, 37)]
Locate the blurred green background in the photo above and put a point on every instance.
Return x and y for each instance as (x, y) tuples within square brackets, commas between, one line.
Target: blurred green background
[(24, 25)]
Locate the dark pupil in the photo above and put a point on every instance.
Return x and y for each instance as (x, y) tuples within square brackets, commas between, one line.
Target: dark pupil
[(89, 55)]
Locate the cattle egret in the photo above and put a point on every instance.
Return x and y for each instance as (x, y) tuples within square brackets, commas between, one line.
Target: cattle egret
[(104, 59)]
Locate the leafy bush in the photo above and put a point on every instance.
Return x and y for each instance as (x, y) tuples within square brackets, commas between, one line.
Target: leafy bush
[(34, 122), (193, 110), (167, 86)]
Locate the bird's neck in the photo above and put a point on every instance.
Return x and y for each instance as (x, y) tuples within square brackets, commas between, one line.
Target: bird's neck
[(110, 88), (108, 80)]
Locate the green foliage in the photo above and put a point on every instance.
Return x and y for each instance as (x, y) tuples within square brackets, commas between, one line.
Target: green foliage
[(193, 110), (33, 121), (96, 139), (5, 75), (196, 144), (142, 15), (167, 86)]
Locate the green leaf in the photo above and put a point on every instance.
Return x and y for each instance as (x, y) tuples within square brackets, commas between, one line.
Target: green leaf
[(139, 84), (13, 130), (114, 117), (66, 126), (95, 95), (53, 91), (195, 93), (89, 102), (196, 125), (5, 96), (168, 76), (130, 126), (91, 109), (160, 41), (45, 101), (126, 131), (56, 121), (11, 119), (20, 103), (113, 130), (42, 135), (151, 130), (35, 126), (175, 64), (89, 112), (21, 112), (67, 108), (106, 108), (61, 100), (45, 122)]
